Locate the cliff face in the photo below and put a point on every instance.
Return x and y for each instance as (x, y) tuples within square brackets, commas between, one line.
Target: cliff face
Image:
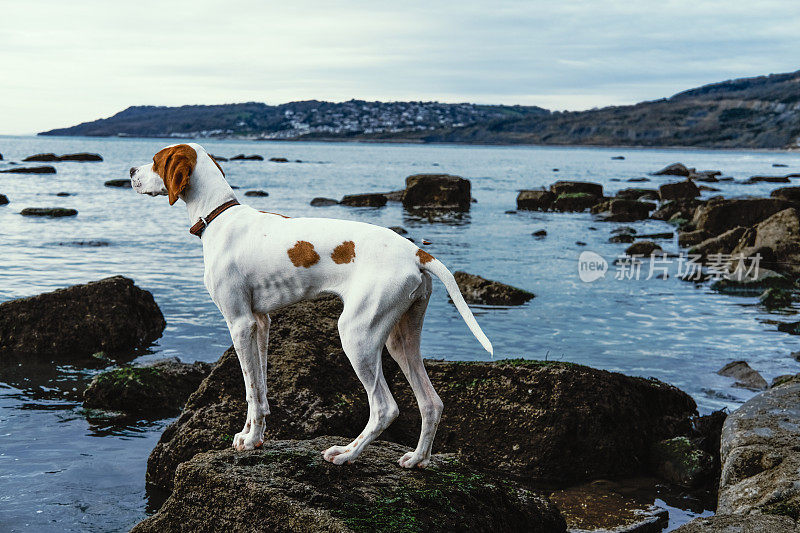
[(761, 112)]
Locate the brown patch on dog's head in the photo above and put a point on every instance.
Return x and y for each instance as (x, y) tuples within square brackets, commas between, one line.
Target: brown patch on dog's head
[(175, 166), (344, 253), (215, 162), (303, 254), (424, 256)]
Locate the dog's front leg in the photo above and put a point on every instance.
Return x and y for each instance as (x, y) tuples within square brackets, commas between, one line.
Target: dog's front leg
[(245, 332)]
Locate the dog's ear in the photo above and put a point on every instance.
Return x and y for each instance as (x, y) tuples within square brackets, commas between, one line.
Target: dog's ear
[(215, 162), (175, 166)]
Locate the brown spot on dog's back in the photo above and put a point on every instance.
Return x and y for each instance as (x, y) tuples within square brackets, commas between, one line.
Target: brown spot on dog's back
[(344, 253), (424, 256), (303, 254)]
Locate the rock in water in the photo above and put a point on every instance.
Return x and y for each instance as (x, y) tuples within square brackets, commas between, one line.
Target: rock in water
[(156, 390), (478, 290), (721, 216), (573, 187), (739, 524), (257, 193), (54, 212), (437, 191), (41, 158), (364, 200), (121, 183), (675, 169), (3, 199), (110, 315), (606, 422), (536, 200), (82, 157), (679, 461), (242, 157), (644, 248), (278, 159), (323, 202), (760, 463), (745, 376), (288, 486), (679, 190), (44, 169)]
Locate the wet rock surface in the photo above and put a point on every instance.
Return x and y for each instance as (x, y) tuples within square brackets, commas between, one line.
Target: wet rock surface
[(557, 422), (720, 216), (111, 315), (679, 190), (438, 191), (120, 183), (478, 290), (52, 212), (740, 524), (44, 169), (242, 157), (323, 202), (643, 248), (257, 193), (745, 376), (287, 486), (364, 200), (535, 200), (156, 390)]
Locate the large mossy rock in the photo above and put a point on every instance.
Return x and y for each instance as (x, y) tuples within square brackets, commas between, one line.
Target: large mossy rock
[(760, 461), (437, 191), (535, 199), (156, 390), (111, 315), (482, 291), (287, 486), (541, 420)]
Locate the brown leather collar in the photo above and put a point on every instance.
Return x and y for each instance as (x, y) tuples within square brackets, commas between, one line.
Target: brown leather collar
[(200, 226)]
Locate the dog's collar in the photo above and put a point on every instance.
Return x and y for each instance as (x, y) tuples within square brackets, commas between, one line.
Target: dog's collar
[(200, 226)]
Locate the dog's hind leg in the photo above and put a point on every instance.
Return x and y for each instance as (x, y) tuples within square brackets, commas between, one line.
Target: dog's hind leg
[(363, 327), (404, 346)]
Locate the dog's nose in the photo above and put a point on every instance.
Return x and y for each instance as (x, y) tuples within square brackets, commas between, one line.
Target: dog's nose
[(133, 171)]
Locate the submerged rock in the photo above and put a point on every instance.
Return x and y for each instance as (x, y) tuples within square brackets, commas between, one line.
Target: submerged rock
[(156, 390), (257, 193), (323, 202), (478, 290), (44, 169), (767, 179), (242, 157), (278, 159), (553, 421), (53, 212), (81, 157), (775, 298), (745, 376), (645, 248), (748, 286), (679, 461), (111, 315), (121, 183), (536, 200), (41, 158), (437, 191), (288, 486), (3, 199), (364, 200), (675, 169)]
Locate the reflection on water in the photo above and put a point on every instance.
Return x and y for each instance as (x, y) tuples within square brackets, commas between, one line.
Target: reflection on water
[(65, 468)]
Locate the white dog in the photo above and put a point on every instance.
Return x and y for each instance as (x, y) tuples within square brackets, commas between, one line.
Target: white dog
[(258, 262)]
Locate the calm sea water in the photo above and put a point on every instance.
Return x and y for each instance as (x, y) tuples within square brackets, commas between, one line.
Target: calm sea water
[(64, 469)]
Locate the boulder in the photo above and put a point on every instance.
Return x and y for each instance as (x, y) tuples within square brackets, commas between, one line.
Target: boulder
[(679, 190), (692, 238), (288, 486), (760, 463), (745, 376), (572, 187), (438, 191), (775, 298), (154, 391), (111, 315), (364, 200), (278, 159), (778, 238), (628, 210), (787, 193), (81, 157), (542, 420), (720, 244), (540, 233), (622, 238), (323, 202), (3, 199), (751, 285), (395, 196), (41, 158), (720, 216), (477, 290), (682, 208), (242, 157), (679, 461), (739, 524), (575, 201), (637, 194), (675, 169), (53, 212), (768, 179), (644, 248), (637, 180), (257, 193), (121, 183), (44, 169), (536, 200)]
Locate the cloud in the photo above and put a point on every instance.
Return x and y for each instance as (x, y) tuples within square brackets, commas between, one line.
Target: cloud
[(65, 63)]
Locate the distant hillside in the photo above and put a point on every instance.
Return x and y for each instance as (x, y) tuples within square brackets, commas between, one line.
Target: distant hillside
[(296, 119), (761, 112)]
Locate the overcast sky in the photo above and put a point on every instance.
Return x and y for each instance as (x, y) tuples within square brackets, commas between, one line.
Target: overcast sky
[(65, 62)]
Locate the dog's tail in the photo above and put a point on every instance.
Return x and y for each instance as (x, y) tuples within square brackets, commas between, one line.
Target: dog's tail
[(437, 268)]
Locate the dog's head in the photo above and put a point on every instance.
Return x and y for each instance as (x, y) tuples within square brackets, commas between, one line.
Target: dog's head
[(171, 171)]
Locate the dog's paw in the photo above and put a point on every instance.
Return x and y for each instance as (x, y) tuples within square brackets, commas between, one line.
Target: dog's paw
[(339, 455), (247, 441), (412, 459)]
